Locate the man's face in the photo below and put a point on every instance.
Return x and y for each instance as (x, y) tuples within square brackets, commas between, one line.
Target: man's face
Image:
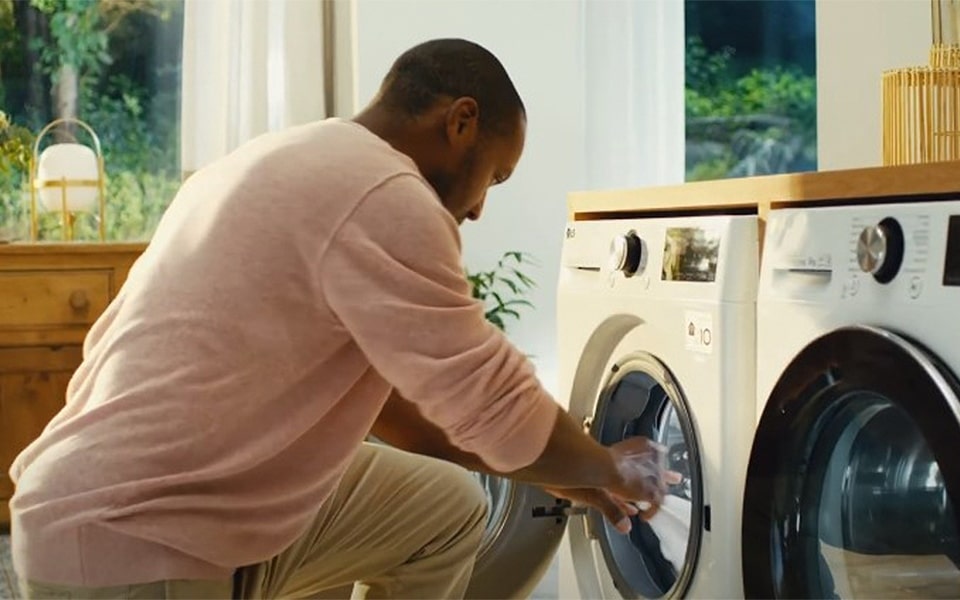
[(476, 164)]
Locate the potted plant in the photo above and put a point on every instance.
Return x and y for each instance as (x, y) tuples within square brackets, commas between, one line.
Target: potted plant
[(502, 289)]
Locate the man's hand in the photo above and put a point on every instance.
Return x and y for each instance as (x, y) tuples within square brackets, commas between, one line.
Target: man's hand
[(643, 474), (614, 509), (643, 481)]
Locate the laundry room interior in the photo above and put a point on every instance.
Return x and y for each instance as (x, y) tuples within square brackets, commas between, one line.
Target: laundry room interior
[(734, 231)]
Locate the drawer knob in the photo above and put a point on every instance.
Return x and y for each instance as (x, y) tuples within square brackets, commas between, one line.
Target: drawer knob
[(79, 300)]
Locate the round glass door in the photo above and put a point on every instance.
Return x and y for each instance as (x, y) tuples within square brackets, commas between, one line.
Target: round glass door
[(881, 514), (852, 479), (657, 559)]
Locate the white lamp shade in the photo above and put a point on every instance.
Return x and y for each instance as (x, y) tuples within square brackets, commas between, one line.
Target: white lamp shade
[(74, 162)]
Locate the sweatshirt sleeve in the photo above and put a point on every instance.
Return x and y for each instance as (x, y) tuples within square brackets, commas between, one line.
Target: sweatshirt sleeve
[(392, 275)]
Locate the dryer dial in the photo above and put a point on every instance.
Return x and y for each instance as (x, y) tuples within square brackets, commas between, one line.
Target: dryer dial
[(626, 253), (880, 250)]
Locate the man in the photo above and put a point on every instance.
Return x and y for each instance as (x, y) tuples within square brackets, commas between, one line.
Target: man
[(298, 295)]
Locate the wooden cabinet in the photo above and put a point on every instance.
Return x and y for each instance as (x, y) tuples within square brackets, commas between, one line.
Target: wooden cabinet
[(50, 295)]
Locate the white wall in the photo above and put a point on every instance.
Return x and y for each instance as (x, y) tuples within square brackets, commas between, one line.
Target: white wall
[(856, 41), (539, 44)]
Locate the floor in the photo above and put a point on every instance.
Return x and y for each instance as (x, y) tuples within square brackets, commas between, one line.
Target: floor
[(547, 590), (6, 569)]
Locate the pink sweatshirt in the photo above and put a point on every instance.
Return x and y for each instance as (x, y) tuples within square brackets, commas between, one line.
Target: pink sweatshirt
[(287, 288)]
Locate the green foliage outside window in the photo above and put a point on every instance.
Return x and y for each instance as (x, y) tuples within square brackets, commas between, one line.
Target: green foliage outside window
[(756, 123)]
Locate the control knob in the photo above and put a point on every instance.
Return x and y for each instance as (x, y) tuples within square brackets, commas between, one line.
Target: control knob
[(626, 253), (880, 249)]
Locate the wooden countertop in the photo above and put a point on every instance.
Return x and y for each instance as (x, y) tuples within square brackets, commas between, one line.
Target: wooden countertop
[(760, 194)]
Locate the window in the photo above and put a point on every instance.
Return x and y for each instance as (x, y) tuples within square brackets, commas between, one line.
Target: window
[(751, 96), (114, 64)]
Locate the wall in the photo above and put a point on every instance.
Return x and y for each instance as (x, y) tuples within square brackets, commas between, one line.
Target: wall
[(540, 45), (856, 41)]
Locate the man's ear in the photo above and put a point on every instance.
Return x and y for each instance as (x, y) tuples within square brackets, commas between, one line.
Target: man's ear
[(463, 122)]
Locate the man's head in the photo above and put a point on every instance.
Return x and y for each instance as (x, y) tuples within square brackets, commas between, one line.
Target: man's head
[(450, 105)]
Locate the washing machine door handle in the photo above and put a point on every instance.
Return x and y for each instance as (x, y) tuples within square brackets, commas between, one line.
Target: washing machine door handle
[(562, 509)]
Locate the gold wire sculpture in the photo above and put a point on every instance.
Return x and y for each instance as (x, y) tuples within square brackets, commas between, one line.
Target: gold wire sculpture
[(38, 184), (921, 110), (921, 105)]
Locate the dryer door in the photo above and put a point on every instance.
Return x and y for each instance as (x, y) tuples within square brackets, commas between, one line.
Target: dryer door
[(853, 486), (517, 548), (658, 558)]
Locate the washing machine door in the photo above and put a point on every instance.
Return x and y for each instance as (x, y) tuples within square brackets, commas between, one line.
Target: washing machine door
[(853, 487), (517, 548), (640, 397)]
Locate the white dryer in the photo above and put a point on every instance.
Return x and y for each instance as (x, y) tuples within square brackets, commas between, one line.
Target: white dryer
[(853, 488), (657, 334)]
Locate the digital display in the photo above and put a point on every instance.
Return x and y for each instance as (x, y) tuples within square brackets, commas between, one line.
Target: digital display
[(951, 263), (690, 254)]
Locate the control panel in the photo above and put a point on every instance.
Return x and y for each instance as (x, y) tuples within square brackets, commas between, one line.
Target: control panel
[(697, 257), (882, 252)]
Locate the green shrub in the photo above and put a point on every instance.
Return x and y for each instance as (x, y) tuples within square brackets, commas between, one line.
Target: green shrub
[(762, 121)]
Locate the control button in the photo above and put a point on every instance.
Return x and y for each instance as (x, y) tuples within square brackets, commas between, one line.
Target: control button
[(880, 250), (626, 253), (854, 285), (916, 287)]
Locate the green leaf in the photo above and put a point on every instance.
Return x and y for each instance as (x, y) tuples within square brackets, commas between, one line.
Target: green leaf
[(510, 284), (518, 302), (496, 320)]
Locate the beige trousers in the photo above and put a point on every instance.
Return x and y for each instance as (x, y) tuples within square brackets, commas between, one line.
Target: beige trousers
[(399, 526)]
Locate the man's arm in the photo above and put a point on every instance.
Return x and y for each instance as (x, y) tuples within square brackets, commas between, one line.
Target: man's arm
[(401, 425), (571, 459)]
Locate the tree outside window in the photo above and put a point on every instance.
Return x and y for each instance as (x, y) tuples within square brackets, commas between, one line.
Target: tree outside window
[(114, 64), (751, 97)]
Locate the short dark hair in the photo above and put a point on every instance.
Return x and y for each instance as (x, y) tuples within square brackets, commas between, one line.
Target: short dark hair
[(453, 68)]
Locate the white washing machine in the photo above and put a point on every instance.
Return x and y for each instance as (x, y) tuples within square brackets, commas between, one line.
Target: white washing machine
[(657, 336), (853, 485)]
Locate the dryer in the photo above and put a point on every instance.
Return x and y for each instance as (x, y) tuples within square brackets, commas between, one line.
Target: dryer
[(853, 487), (656, 333)]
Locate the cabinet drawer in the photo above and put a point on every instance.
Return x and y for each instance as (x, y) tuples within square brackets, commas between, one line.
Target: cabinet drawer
[(43, 298), (33, 388)]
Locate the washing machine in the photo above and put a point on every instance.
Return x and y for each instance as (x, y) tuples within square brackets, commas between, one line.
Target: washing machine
[(657, 336), (853, 484)]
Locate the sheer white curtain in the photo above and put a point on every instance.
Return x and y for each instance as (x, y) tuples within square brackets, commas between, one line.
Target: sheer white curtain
[(634, 78), (249, 66)]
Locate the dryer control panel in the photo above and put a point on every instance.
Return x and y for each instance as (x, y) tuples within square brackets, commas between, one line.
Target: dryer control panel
[(881, 252), (710, 257)]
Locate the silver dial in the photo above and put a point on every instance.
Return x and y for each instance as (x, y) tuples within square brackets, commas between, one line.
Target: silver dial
[(872, 248), (626, 253), (618, 253)]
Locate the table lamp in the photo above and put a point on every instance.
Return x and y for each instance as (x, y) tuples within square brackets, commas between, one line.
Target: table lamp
[(67, 177)]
